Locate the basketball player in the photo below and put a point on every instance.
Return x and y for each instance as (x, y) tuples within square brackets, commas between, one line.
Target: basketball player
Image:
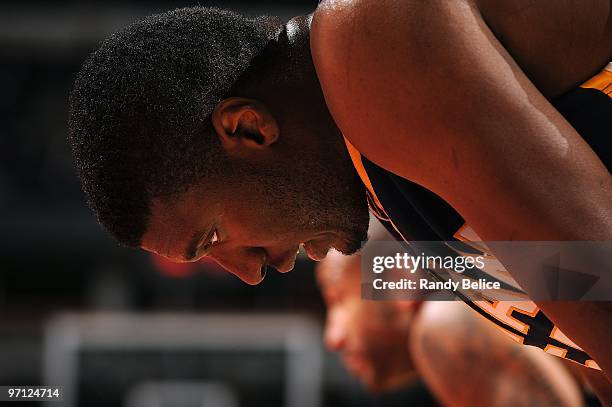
[(463, 360), (199, 132)]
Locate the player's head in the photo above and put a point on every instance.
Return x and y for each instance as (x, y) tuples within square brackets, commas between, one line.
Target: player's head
[(200, 125), (371, 336)]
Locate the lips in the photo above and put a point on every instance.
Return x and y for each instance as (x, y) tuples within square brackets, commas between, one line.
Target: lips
[(317, 248)]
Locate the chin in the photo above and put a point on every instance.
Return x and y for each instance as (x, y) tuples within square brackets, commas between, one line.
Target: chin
[(350, 243), (374, 388), (377, 387)]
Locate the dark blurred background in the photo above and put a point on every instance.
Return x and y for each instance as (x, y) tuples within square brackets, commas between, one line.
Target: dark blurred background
[(112, 325)]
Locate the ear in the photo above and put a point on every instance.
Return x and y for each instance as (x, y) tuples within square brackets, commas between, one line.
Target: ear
[(244, 124)]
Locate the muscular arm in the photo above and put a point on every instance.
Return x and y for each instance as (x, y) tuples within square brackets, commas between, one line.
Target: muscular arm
[(425, 90), (467, 362)]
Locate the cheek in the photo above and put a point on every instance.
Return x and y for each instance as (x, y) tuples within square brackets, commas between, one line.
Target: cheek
[(246, 224), (255, 223), (360, 320), (375, 320)]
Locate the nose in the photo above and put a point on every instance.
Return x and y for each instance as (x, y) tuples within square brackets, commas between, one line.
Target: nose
[(335, 332), (248, 264)]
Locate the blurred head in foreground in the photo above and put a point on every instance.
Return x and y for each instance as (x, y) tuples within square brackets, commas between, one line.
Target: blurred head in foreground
[(398, 345), (371, 336)]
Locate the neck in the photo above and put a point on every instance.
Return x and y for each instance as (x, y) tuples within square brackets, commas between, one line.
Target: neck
[(298, 70), (299, 58), (298, 29), (399, 381)]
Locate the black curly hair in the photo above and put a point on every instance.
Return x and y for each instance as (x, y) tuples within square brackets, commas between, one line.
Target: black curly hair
[(139, 123)]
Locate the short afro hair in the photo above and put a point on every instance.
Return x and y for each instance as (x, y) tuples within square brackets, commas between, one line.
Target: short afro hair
[(139, 121)]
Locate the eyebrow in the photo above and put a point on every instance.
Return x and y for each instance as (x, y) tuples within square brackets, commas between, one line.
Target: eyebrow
[(192, 247)]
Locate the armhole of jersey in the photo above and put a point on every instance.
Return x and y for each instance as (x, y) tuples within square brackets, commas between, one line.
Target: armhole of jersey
[(602, 81), (373, 202)]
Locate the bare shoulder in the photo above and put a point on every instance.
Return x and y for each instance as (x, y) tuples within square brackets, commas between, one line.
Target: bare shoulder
[(379, 64), (336, 28), (425, 90), (445, 315), (452, 322), (348, 31), (453, 348)]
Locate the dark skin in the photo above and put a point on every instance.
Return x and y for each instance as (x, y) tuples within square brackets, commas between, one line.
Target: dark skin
[(241, 222), (487, 139), (482, 135)]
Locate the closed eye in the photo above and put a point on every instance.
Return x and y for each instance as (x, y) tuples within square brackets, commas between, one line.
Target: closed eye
[(211, 242)]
